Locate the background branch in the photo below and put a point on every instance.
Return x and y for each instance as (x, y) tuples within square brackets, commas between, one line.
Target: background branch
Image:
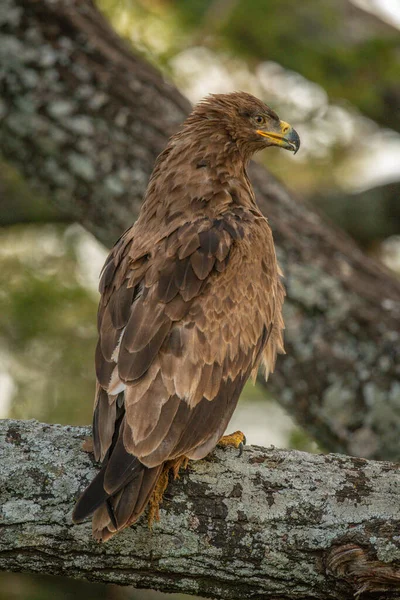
[(273, 524), (84, 118)]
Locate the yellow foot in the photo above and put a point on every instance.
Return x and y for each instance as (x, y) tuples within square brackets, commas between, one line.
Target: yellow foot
[(162, 483), (236, 440)]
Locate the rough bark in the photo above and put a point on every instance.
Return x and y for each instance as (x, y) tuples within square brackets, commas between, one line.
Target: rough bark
[(85, 118), (274, 524)]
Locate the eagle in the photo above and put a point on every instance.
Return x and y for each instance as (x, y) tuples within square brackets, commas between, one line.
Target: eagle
[(190, 307)]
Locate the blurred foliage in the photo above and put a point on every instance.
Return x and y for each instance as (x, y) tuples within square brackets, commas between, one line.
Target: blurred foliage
[(314, 38), (47, 324), (300, 440), (349, 53)]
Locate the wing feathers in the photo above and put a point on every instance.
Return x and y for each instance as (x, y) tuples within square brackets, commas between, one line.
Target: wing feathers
[(144, 414), (132, 365), (177, 309), (93, 497), (144, 447), (122, 467), (104, 418), (109, 335), (209, 242), (189, 246), (167, 287), (104, 368), (144, 323), (202, 263), (120, 305)]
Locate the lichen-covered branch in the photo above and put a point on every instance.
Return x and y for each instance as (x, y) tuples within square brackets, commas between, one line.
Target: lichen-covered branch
[(84, 118), (272, 523)]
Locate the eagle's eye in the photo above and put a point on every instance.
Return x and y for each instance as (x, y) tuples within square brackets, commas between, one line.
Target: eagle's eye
[(260, 119)]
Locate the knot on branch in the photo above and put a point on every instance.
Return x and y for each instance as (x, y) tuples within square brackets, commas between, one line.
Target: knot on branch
[(365, 574)]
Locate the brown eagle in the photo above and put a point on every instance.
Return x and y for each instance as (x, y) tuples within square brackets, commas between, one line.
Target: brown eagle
[(190, 306)]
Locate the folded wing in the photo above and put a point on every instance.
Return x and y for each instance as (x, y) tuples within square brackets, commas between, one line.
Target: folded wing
[(181, 327)]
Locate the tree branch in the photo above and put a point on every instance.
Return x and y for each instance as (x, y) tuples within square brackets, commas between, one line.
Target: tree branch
[(274, 524), (85, 118)]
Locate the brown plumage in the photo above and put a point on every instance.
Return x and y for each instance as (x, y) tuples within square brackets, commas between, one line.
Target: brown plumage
[(190, 306)]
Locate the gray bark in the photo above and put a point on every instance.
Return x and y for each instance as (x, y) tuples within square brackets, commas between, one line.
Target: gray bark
[(84, 118), (275, 524)]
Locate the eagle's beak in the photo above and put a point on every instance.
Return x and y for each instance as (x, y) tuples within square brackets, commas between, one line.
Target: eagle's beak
[(287, 137)]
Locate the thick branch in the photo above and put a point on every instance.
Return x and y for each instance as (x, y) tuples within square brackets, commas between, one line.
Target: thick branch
[(272, 523), (85, 118)]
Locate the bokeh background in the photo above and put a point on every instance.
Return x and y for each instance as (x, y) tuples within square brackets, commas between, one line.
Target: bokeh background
[(332, 69)]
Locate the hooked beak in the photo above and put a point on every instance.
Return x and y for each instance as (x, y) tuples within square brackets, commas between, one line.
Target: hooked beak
[(287, 137)]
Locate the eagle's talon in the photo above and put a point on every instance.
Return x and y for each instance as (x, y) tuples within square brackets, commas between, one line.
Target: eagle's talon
[(235, 440)]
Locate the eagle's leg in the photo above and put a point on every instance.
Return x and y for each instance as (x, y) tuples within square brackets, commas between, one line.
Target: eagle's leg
[(236, 440), (176, 464), (162, 483)]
